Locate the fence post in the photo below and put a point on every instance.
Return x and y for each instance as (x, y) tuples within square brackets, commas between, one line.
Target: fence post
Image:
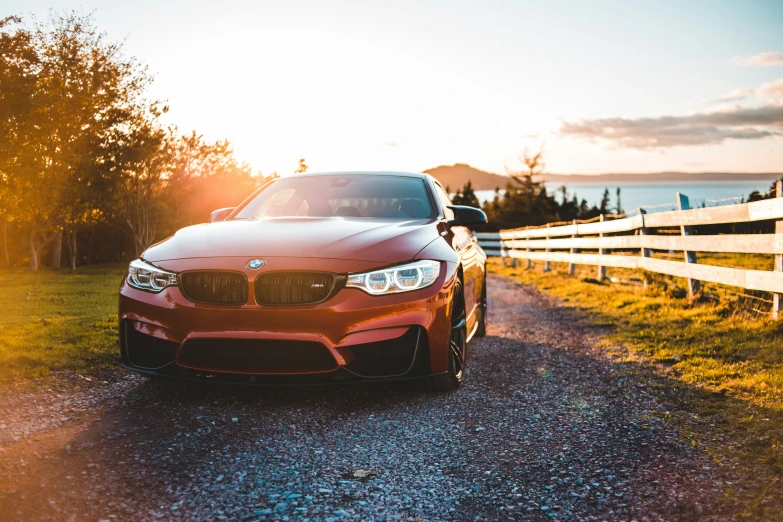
[(572, 265), (547, 264), (683, 203), (601, 275), (505, 253), (643, 232), (777, 299), (529, 263)]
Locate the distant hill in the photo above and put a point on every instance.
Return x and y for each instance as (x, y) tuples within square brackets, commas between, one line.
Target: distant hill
[(455, 176)]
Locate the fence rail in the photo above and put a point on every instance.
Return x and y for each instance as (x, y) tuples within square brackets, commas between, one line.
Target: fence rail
[(561, 244)]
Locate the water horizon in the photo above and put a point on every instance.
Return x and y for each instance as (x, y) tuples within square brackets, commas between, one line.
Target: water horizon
[(651, 194)]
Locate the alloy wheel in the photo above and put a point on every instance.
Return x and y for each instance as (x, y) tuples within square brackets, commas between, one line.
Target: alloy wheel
[(459, 335)]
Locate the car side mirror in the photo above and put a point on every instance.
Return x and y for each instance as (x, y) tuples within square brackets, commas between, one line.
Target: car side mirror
[(220, 214), (466, 216)]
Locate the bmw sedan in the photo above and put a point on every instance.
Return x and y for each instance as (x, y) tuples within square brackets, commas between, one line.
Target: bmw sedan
[(314, 278)]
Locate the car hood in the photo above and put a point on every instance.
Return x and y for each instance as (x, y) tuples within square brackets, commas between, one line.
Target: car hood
[(360, 239)]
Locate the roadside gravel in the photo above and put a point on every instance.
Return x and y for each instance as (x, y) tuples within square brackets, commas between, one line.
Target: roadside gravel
[(545, 428)]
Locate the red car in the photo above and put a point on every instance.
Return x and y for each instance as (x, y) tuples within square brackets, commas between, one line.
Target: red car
[(315, 278)]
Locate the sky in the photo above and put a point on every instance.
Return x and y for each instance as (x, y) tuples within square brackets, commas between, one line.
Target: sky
[(600, 86)]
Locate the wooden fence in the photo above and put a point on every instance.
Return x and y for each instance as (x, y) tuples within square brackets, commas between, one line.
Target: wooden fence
[(563, 244)]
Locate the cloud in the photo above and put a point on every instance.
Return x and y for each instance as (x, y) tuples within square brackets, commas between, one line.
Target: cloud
[(773, 89), (736, 95), (770, 58), (702, 128), (706, 128), (767, 91)]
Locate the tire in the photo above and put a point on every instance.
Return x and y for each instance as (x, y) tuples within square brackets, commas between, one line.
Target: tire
[(452, 379), (481, 331)]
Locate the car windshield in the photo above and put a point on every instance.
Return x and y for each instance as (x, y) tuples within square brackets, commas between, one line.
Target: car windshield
[(358, 195)]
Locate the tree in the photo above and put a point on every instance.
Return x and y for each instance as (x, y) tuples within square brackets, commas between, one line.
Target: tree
[(19, 66), (524, 179), (526, 201), (142, 157), (604, 207), (82, 149), (64, 91), (302, 168), (466, 196), (773, 189), (87, 90), (206, 176), (619, 205)]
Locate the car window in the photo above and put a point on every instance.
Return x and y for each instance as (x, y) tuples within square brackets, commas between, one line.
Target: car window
[(352, 196), (444, 201), (275, 205)]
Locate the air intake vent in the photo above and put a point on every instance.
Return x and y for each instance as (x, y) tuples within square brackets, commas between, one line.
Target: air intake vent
[(293, 288), (145, 351), (221, 288), (256, 356)]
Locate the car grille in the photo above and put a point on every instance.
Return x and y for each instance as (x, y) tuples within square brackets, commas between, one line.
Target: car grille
[(256, 356), (213, 287), (293, 288)]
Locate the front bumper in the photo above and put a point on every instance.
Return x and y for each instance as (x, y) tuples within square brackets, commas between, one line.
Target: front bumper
[(352, 336)]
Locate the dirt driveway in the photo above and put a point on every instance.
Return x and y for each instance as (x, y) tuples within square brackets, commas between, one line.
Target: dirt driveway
[(544, 428)]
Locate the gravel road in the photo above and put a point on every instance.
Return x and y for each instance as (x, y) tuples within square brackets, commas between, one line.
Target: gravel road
[(545, 428)]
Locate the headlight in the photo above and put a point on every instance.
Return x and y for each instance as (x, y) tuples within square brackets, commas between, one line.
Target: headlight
[(397, 279), (149, 278)]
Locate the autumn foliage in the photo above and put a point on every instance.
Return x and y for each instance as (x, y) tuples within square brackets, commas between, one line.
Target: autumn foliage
[(86, 162)]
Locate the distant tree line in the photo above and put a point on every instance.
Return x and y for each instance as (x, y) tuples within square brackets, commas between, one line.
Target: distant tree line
[(527, 202), (86, 164)]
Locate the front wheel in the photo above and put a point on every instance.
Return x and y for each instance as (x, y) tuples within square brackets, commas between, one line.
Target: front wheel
[(452, 379)]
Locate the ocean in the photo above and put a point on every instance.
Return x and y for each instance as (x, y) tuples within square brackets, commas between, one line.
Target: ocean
[(653, 196)]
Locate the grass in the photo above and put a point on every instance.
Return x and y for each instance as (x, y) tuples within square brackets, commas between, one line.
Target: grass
[(717, 342), (718, 363), (53, 320)]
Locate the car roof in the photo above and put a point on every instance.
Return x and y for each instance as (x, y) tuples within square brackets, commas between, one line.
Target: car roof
[(419, 175)]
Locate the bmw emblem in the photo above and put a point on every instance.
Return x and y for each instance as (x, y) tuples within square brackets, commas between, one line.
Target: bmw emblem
[(255, 264)]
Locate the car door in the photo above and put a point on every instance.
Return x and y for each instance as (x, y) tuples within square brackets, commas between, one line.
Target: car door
[(464, 243)]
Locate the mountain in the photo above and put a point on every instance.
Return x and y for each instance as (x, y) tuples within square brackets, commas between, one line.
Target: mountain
[(455, 176)]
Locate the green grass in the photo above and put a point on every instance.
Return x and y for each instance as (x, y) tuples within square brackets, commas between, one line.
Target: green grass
[(54, 320), (716, 361)]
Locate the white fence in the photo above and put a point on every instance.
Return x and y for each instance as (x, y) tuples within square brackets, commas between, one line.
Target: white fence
[(563, 243)]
